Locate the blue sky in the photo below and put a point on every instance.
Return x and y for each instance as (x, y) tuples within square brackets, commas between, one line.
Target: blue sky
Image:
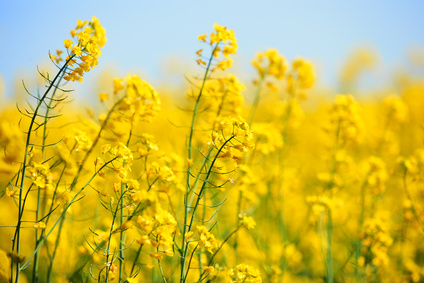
[(143, 35)]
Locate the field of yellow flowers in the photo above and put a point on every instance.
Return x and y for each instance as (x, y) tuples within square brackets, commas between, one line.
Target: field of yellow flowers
[(202, 186)]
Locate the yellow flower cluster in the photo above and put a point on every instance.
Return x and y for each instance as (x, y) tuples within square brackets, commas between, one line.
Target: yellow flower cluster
[(320, 204), (140, 102), (203, 238), (416, 272), (360, 60), (160, 229), (346, 121), (40, 225), (11, 142), (376, 175), (270, 63), (82, 141), (232, 134), (268, 138), (376, 240), (163, 173), (248, 221), (272, 68), (41, 176), (396, 109), (88, 37), (221, 35), (170, 200), (146, 144), (222, 96), (120, 150), (292, 255), (301, 75), (245, 273)]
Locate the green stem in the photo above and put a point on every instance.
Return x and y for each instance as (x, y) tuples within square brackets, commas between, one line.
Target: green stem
[(236, 255), (135, 259), (121, 234), (329, 248), (408, 195), (199, 197), (37, 213), (190, 141), (111, 232), (329, 256), (96, 140), (50, 270), (218, 249), (251, 118), (17, 239), (65, 209), (358, 252)]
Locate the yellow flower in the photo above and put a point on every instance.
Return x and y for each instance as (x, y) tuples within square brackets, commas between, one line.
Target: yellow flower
[(52, 58), (271, 63), (41, 176), (228, 45), (103, 97), (10, 193), (223, 65), (102, 117), (117, 85), (157, 256), (144, 240), (86, 47), (40, 226), (82, 141), (245, 273), (208, 268), (200, 62), (248, 222), (67, 43), (305, 72), (189, 236), (206, 239), (80, 24), (76, 50), (202, 37)]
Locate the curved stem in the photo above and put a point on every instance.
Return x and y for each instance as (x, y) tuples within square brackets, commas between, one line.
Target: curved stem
[(17, 240), (190, 141), (37, 213)]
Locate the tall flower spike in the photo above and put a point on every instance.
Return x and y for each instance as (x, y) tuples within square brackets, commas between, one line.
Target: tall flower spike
[(271, 63), (223, 37), (84, 48)]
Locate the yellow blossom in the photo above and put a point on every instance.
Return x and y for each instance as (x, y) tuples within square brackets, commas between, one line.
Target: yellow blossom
[(103, 97), (248, 222), (40, 226)]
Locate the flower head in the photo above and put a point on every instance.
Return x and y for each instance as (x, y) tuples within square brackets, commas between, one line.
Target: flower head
[(222, 41), (84, 48)]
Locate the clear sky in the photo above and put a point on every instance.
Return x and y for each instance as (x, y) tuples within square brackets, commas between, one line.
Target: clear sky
[(143, 35)]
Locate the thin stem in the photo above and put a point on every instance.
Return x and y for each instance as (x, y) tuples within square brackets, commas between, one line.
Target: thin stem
[(50, 270), (219, 248), (189, 262), (65, 209), (111, 232), (37, 213), (329, 248), (17, 240), (136, 258), (199, 197), (190, 141)]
